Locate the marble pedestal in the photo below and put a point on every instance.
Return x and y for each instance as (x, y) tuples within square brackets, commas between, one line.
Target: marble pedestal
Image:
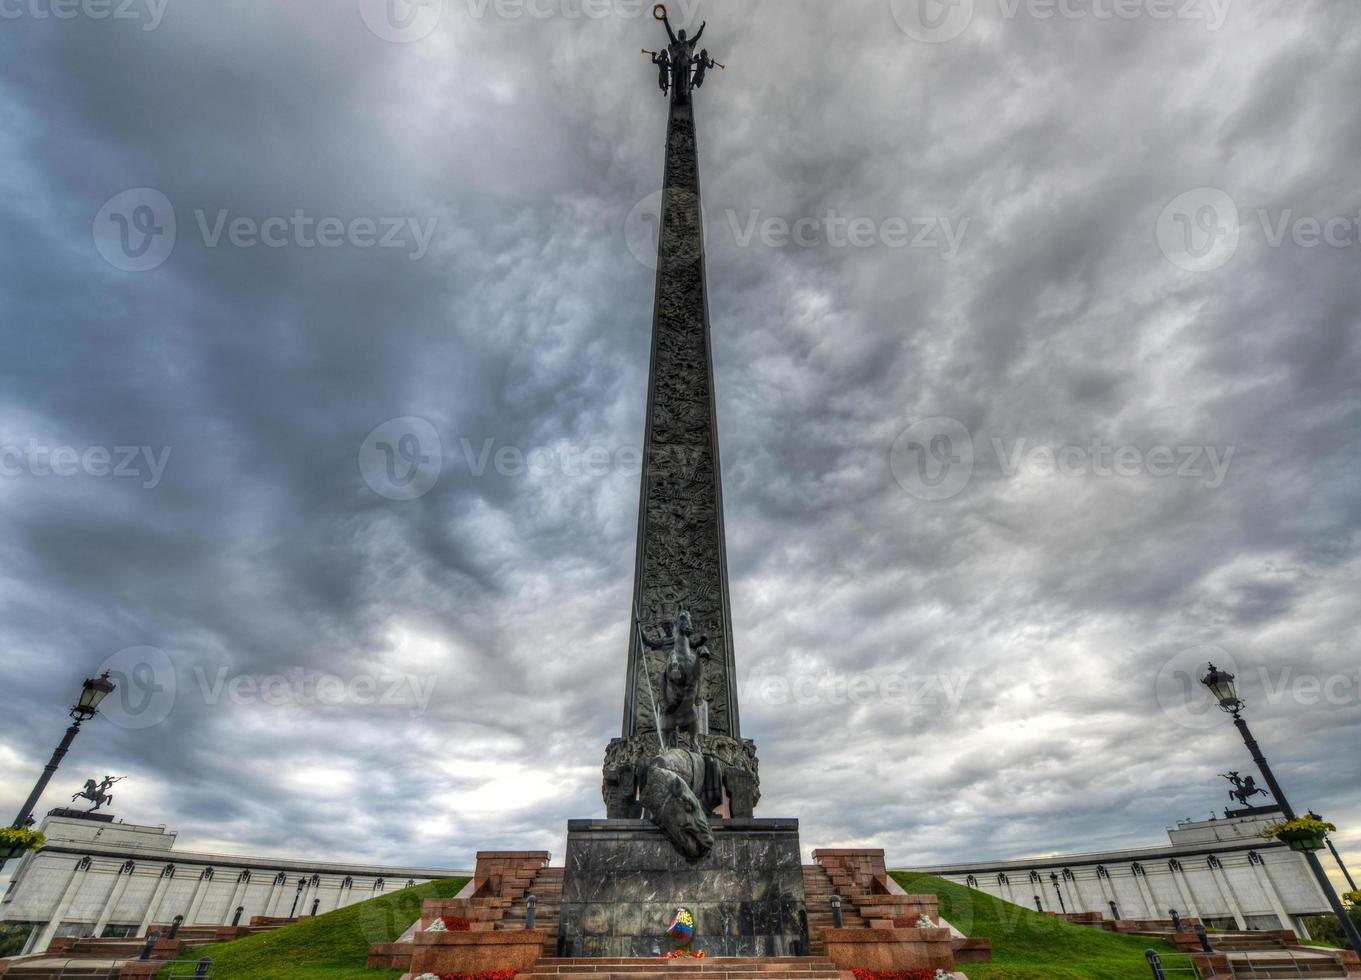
[(624, 881)]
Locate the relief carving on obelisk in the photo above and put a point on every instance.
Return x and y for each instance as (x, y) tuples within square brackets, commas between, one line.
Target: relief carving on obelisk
[(681, 563)]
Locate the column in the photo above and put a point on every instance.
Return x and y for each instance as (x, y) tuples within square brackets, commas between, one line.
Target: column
[(205, 880), (63, 905), (1184, 890), (1269, 886), (1222, 883), (238, 890), (1069, 887), (273, 896), (115, 893), (1145, 893), (157, 896)]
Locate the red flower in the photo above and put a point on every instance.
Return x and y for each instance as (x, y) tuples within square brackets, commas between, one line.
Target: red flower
[(454, 924), (862, 974)]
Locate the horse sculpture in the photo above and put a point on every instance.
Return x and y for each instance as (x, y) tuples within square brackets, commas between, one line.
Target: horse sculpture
[(668, 787), (98, 793), (1243, 789)]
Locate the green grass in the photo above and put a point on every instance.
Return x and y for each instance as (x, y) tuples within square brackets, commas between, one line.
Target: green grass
[(1030, 946), (1026, 945), (333, 946)]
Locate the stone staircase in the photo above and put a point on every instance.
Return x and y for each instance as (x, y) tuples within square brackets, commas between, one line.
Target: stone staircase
[(49, 968), (1264, 955), (871, 899), (817, 892), (724, 968), (547, 891), (86, 958)]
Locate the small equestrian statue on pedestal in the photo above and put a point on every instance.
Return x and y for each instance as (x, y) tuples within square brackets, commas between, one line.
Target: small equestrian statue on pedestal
[(98, 793), (1243, 789)]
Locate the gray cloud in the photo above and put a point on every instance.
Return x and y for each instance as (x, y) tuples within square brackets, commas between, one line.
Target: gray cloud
[(1056, 600)]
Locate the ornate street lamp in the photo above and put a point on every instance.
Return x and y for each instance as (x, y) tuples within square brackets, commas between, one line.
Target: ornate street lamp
[(92, 692), (1222, 687)]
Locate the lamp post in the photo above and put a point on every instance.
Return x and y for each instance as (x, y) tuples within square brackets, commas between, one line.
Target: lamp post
[(92, 692), (1222, 687)]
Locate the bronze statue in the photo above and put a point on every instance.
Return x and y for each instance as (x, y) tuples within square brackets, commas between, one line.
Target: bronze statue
[(1243, 789), (662, 60), (702, 65), (681, 52), (668, 787), (682, 678), (97, 793)]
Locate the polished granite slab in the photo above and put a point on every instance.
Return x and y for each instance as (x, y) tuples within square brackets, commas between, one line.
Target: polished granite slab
[(624, 881)]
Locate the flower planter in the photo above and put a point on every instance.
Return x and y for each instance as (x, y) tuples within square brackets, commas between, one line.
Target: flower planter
[(1303, 840), (8, 851)]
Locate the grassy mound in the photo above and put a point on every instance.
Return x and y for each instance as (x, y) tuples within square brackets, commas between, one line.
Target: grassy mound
[(1030, 946), (333, 946)]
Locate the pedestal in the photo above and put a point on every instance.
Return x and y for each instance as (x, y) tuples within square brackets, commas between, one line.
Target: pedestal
[(624, 881)]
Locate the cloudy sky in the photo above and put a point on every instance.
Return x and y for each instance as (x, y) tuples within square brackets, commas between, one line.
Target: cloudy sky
[(1036, 350)]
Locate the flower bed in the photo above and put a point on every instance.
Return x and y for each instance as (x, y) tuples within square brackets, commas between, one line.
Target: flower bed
[(488, 975), (14, 841), (450, 923), (1302, 833), (924, 974), (920, 922)]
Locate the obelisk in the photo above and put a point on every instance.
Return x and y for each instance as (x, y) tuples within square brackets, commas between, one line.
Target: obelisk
[(680, 787), (681, 560)]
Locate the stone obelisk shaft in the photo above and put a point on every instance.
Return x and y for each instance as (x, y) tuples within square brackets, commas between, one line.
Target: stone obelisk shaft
[(681, 558)]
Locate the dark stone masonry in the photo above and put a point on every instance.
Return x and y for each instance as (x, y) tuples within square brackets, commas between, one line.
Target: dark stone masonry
[(624, 880)]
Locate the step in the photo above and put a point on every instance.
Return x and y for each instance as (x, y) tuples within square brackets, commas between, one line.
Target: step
[(64, 969)]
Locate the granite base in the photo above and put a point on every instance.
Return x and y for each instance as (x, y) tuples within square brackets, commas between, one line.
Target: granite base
[(624, 881)]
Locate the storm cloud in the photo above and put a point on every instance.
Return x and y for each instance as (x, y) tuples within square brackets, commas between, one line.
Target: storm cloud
[(326, 329)]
